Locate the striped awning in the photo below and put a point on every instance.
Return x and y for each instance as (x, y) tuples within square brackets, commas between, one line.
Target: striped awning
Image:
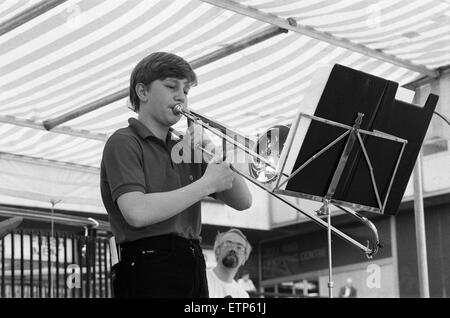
[(78, 53)]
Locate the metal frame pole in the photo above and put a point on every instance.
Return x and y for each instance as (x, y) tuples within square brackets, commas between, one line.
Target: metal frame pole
[(28, 14), (419, 219)]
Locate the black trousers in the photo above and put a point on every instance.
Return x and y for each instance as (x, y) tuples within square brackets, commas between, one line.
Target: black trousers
[(166, 266)]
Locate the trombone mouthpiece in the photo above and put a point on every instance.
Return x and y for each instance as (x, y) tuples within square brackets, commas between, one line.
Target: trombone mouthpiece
[(178, 109)]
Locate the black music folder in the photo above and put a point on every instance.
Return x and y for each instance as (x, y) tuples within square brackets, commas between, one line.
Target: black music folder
[(346, 93)]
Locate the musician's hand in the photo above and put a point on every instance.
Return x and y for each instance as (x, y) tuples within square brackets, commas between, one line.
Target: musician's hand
[(218, 175)]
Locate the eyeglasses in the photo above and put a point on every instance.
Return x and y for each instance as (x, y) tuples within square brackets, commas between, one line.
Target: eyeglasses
[(238, 246)]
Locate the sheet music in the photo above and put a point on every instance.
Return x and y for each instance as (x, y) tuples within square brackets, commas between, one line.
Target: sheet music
[(405, 95)]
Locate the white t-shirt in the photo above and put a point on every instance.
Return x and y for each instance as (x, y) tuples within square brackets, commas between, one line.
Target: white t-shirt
[(220, 289), (247, 284)]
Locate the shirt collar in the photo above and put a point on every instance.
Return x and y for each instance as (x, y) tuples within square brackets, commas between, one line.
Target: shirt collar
[(144, 132)]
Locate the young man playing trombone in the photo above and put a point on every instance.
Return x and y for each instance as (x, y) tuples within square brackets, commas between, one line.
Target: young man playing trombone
[(153, 202)]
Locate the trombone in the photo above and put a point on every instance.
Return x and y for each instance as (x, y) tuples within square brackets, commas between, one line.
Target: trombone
[(263, 170)]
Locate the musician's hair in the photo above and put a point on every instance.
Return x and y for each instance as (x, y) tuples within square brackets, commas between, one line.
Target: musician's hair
[(159, 66)]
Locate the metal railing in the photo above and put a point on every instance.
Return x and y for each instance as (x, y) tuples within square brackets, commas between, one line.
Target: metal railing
[(63, 265)]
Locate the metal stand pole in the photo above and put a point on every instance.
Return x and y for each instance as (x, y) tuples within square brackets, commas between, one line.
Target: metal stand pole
[(419, 218), (330, 263)]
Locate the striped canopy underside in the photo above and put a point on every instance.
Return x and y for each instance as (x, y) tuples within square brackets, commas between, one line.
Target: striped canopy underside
[(83, 50)]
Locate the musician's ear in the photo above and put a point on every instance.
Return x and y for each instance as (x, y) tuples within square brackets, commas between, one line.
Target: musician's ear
[(142, 92)]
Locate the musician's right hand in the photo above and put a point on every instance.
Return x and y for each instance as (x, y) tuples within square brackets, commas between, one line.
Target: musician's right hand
[(218, 175)]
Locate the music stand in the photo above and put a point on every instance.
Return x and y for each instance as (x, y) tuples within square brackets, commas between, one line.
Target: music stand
[(354, 139), (379, 152), (359, 137)]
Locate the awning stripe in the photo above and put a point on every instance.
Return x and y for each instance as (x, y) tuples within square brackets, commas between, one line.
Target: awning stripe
[(83, 50)]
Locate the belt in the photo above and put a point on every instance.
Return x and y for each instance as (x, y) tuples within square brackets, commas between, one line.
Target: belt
[(167, 242)]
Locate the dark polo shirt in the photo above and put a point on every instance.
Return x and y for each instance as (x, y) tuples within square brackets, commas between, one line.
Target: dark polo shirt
[(134, 159)]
